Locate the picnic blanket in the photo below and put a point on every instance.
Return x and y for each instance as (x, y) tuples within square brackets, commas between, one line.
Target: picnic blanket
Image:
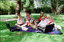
[(30, 29)]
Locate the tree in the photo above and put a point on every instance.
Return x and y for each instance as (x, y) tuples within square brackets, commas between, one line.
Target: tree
[(7, 7), (57, 7), (18, 8), (53, 7), (21, 5)]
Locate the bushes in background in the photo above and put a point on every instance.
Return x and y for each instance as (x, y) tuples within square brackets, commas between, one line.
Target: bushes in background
[(3, 12), (44, 9), (7, 7)]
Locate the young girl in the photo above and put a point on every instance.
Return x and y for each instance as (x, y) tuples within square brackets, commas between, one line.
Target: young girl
[(56, 27), (33, 24), (47, 18), (51, 21), (41, 15), (20, 21), (24, 26)]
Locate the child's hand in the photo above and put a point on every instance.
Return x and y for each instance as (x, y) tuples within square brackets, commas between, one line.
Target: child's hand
[(36, 28), (36, 20)]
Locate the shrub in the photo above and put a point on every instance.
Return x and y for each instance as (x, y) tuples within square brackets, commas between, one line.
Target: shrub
[(7, 7), (12, 9), (44, 9), (3, 12)]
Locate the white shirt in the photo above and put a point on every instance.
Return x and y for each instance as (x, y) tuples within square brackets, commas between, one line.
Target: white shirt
[(31, 16), (47, 20), (19, 20), (42, 23)]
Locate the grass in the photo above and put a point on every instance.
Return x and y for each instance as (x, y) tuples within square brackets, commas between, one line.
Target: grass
[(7, 36), (12, 16)]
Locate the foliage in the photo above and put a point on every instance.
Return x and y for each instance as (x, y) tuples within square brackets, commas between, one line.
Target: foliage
[(12, 8), (27, 3), (7, 6), (44, 9), (57, 6)]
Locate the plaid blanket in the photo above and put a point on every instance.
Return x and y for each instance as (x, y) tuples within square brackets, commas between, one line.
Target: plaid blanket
[(30, 29)]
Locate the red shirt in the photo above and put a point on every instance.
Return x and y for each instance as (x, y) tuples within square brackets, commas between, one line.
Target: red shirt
[(51, 21), (40, 18)]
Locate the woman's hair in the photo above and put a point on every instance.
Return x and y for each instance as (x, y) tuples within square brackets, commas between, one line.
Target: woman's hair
[(48, 15), (28, 11), (42, 12), (19, 16)]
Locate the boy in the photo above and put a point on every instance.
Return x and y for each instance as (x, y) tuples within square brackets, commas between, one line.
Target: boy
[(42, 24), (41, 15)]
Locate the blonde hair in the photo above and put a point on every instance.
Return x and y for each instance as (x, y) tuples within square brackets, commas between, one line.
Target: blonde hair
[(52, 17), (48, 15)]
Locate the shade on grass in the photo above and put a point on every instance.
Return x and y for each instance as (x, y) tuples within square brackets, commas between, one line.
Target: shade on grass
[(7, 36)]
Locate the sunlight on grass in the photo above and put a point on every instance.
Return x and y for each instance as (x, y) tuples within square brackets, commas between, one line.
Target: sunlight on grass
[(38, 37), (6, 30), (12, 16), (7, 36)]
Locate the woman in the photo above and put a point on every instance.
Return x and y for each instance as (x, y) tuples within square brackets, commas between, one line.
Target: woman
[(28, 15)]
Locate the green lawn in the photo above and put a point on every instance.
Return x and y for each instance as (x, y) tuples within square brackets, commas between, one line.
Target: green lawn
[(7, 36), (12, 16)]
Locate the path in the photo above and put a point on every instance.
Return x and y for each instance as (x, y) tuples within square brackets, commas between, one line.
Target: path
[(10, 19)]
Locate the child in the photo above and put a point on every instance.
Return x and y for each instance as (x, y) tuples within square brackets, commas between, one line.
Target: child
[(24, 26), (33, 24), (51, 21), (41, 15), (20, 21), (47, 18), (42, 23)]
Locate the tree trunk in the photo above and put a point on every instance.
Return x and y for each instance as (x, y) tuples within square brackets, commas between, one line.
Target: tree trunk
[(22, 3), (53, 8), (57, 7), (18, 8), (60, 9)]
